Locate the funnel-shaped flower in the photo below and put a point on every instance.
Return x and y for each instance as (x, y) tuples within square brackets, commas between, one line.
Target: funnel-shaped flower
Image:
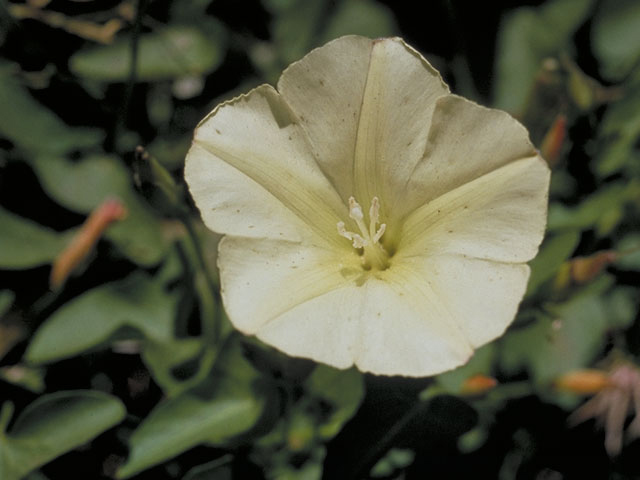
[(370, 217)]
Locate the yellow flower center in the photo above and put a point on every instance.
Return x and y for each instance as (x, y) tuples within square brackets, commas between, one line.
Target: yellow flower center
[(367, 242)]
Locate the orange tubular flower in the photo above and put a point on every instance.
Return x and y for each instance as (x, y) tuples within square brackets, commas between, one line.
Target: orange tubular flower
[(84, 241)]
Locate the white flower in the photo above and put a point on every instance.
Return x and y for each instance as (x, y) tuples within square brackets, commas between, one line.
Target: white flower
[(370, 217)]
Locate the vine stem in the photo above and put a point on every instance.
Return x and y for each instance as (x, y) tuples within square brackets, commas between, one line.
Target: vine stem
[(213, 327)]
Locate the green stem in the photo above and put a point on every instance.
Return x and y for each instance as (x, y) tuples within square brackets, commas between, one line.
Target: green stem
[(210, 299)]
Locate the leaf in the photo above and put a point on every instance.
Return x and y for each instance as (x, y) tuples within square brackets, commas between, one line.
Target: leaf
[(26, 244), (53, 425), (31, 126), (166, 53), (92, 319), (629, 249), (295, 26), (616, 37), (569, 339), (553, 252), (342, 389), (359, 17), (594, 209), (526, 37), (82, 186), (213, 413)]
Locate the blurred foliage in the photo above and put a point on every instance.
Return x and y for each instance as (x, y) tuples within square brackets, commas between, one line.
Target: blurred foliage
[(132, 369)]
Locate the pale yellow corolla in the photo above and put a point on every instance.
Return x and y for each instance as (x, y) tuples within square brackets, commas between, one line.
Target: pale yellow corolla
[(370, 217)]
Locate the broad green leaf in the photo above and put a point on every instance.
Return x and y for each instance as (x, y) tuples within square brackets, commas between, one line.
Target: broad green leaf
[(26, 244), (629, 250), (165, 53), (213, 413), (33, 127), (594, 209), (359, 17), (526, 37), (622, 307), (296, 26), (91, 320), (616, 37), (55, 424), (342, 389), (567, 339), (81, 186), (553, 252)]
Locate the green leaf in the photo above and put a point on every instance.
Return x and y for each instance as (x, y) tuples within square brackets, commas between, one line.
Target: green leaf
[(629, 249), (82, 186), (31, 126), (92, 319), (570, 338), (359, 17), (213, 413), (295, 27), (616, 37), (343, 389), (26, 244), (594, 209), (166, 53), (526, 37), (553, 252), (622, 307), (53, 425)]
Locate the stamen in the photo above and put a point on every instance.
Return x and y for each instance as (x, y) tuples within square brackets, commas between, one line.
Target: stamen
[(379, 233), (355, 210), (373, 253), (357, 240), (374, 217)]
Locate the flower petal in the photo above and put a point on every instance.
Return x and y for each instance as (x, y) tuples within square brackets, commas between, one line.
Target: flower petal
[(380, 327), (251, 173), (367, 106), (261, 279), (481, 296), (499, 216), (465, 142), (310, 303)]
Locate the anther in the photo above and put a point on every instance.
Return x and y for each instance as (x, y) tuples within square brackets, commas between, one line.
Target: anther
[(356, 240)]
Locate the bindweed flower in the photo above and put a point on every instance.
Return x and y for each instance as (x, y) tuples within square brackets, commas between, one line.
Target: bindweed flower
[(370, 216)]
